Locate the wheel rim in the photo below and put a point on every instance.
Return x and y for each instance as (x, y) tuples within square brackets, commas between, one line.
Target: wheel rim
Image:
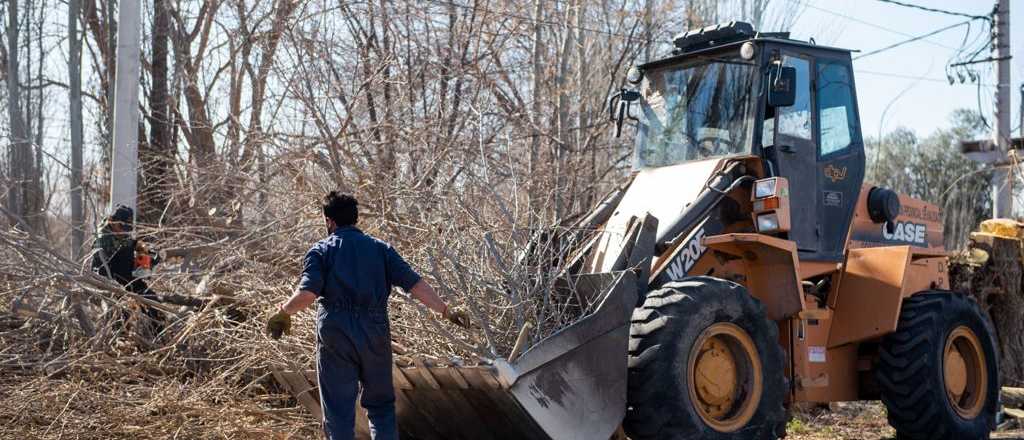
[(725, 377), (964, 372)]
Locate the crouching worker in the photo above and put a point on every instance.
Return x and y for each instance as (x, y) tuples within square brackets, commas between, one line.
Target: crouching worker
[(350, 275), (116, 255)]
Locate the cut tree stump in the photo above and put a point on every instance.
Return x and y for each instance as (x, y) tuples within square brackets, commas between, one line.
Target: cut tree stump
[(996, 282)]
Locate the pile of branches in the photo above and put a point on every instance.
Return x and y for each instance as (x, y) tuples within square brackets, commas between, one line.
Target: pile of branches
[(81, 356), (80, 353)]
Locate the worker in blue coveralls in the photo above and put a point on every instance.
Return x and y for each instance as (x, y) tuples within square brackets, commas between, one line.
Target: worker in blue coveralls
[(350, 274)]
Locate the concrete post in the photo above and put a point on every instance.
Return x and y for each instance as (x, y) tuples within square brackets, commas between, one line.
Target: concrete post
[(124, 162), (1002, 187)]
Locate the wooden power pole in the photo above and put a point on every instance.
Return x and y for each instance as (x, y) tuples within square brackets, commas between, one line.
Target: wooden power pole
[(1002, 188), (124, 157)]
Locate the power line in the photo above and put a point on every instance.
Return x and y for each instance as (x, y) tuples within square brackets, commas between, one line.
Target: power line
[(911, 40), (902, 76), (964, 44), (923, 39), (939, 11), (867, 23), (972, 58)]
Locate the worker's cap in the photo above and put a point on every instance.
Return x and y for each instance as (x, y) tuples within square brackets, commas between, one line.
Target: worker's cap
[(122, 214)]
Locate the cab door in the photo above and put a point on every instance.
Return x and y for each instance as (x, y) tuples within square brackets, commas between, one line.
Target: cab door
[(791, 133), (841, 152)]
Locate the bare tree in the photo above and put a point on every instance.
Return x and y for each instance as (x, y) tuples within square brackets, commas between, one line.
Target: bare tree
[(23, 197), (75, 101), (536, 80), (157, 155)]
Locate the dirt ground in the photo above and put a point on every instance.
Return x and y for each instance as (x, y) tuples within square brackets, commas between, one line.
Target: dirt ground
[(862, 421)]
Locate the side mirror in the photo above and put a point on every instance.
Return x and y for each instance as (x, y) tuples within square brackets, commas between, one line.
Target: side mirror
[(781, 86), (619, 105)]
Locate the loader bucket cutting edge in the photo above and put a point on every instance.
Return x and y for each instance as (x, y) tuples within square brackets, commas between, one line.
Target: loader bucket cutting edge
[(571, 385)]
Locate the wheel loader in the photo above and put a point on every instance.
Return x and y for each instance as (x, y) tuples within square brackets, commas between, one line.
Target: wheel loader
[(743, 268)]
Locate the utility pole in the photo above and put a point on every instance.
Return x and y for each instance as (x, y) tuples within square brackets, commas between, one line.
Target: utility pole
[(1002, 188), (124, 157)]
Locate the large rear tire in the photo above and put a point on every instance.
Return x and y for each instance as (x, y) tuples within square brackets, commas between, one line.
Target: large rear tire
[(937, 372), (704, 362)]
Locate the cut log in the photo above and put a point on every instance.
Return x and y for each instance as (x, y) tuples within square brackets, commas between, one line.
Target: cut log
[(1014, 413), (520, 345), (298, 386), (1013, 397)]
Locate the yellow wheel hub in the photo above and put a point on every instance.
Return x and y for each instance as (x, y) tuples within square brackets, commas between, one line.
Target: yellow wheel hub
[(725, 377), (716, 373), (956, 373), (965, 373)]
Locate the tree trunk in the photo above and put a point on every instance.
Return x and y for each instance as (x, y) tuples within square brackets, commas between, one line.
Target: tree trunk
[(199, 131), (36, 206), (158, 154), (21, 159), (99, 22), (75, 110), (996, 285), (538, 48), (586, 199), (255, 139), (560, 146)]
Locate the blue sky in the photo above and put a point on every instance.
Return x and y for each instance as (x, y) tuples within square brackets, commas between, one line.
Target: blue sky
[(922, 105)]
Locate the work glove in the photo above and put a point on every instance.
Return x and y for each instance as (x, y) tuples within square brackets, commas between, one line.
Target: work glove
[(279, 324), (457, 316)]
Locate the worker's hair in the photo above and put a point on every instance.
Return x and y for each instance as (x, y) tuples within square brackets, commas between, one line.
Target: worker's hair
[(342, 208)]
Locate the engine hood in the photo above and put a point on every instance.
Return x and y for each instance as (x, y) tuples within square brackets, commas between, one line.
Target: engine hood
[(663, 192)]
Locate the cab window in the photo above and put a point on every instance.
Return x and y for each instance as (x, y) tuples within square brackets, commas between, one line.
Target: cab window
[(795, 121), (837, 121)]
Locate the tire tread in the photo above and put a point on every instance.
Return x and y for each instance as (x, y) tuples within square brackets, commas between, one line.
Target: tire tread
[(909, 366), (656, 325)]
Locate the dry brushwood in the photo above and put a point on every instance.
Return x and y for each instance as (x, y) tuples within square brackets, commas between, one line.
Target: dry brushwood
[(195, 352)]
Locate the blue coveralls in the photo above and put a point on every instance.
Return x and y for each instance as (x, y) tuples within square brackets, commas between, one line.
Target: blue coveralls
[(352, 273)]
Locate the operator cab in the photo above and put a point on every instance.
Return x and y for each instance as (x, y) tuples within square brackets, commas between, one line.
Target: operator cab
[(727, 90)]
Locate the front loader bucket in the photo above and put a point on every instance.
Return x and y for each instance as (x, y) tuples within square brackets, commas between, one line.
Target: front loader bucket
[(571, 385)]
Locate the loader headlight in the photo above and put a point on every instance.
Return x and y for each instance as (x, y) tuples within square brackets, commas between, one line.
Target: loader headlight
[(764, 188), (747, 51), (768, 222)]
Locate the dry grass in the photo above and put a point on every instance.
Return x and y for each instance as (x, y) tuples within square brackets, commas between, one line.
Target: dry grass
[(844, 420), (861, 421)]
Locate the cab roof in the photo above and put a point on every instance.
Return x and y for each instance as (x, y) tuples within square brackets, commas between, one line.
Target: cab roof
[(726, 36)]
